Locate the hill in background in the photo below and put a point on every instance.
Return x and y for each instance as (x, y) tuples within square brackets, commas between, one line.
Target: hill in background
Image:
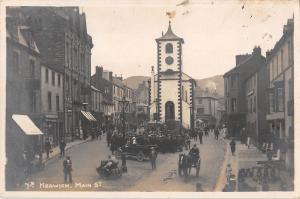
[(134, 81), (212, 83)]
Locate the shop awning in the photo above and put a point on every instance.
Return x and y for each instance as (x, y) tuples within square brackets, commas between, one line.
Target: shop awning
[(26, 124), (88, 116)]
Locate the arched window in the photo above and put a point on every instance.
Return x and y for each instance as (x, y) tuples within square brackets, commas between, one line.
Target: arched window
[(169, 48), (169, 111)]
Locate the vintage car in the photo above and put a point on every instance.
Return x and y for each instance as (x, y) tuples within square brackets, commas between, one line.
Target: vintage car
[(140, 152)]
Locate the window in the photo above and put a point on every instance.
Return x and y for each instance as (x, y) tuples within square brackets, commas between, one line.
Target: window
[(67, 54), (67, 85), (82, 61), (233, 105), (233, 81), (47, 75), (33, 103), (186, 96), (15, 62), (200, 101), (32, 68), (271, 70), (271, 102), (277, 66), (251, 105), (53, 78), (200, 110), (58, 80), (254, 104), (169, 48), (57, 103), (290, 55), (290, 90), (280, 99), (281, 60), (96, 100), (49, 101)]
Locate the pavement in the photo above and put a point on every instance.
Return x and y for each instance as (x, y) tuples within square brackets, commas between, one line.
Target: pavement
[(56, 151), (140, 177), (246, 158)]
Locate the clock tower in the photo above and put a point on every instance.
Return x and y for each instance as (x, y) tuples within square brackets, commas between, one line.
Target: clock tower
[(171, 90), (169, 49), (169, 76)]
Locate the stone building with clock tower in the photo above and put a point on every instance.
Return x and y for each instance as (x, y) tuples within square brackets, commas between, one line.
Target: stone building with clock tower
[(171, 90)]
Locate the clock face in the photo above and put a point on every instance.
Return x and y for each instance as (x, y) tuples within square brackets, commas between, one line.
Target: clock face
[(169, 60)]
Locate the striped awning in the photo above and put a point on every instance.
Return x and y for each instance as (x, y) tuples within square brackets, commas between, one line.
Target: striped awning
[(88, 116), (26, 124)]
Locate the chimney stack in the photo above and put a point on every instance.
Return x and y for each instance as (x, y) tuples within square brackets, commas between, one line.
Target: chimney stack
[(110, 76), (256, 50)]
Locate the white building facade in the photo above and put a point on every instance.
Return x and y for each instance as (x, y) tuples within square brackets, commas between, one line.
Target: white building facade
[(280, 117), (52, 103), (171, 90)]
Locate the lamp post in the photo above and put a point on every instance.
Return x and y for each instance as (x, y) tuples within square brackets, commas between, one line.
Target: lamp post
[(84, 104), (69, 115), (124, 104), (192, 117), (156, 108)]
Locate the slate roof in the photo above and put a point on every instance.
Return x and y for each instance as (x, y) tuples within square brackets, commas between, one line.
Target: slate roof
[(169, 35)]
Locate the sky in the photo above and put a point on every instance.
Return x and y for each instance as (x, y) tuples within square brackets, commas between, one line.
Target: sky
[(214, 32)]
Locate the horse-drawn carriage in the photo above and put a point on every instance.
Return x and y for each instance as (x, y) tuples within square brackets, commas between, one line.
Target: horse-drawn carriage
[(185, 164)]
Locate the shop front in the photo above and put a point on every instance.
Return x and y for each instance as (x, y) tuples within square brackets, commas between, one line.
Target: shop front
[(88, 125), (53, 129)]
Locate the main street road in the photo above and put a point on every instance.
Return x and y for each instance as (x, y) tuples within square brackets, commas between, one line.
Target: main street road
[(86, 157)]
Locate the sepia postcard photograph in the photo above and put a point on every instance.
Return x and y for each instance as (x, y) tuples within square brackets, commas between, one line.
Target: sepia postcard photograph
[(133, 99)]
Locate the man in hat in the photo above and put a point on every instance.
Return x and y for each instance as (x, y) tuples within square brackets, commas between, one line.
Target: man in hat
[(62, 146), (47, 147), (195, 153), (232, 146), (153, 156), (67, 164)]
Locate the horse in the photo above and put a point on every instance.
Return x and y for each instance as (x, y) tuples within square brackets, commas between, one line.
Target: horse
[(185, 164)]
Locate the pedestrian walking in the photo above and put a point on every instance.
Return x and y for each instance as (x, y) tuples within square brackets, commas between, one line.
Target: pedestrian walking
[(47, 147), (200, 136), (188, 142), (232, 146), (62, 146), (248, 141), (100, 133), (206, 131), (217, 134), (67, 164), (108, 138), (228, 172), (243, 136), (153, 156)]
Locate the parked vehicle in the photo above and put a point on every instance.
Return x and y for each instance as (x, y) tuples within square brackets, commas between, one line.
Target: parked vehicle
[(140, 152)]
